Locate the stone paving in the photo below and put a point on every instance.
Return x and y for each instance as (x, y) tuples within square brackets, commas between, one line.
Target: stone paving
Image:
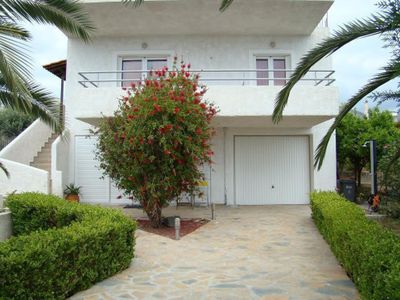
[(268, 252)]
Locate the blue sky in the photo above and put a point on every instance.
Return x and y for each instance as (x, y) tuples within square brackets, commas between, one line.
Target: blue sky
[(354, 64)]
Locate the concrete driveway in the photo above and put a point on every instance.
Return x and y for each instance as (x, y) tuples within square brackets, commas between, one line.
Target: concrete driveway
[(268, 252)]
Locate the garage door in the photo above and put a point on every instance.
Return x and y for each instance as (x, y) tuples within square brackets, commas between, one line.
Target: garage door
[(272, 170), (88, 175)]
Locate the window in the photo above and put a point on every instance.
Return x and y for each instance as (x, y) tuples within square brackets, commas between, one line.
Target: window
[(138, 66), (271, 70)]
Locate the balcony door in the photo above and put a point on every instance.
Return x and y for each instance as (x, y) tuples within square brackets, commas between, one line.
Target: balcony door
[(271, 70), (136, 68)]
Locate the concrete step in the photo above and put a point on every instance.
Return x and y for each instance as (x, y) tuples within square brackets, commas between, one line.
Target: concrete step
[(43, 158), (43, 166)]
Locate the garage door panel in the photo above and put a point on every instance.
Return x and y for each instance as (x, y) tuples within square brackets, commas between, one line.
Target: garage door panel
[(271, 170), (95, 189)]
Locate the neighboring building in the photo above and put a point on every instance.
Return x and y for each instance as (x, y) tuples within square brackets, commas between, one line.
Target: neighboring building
[(245, 56)]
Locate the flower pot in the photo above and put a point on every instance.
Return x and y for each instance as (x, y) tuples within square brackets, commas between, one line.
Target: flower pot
[(72, 198), (5, 224)]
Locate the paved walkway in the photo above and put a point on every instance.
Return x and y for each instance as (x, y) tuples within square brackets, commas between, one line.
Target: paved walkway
[(269, 252)]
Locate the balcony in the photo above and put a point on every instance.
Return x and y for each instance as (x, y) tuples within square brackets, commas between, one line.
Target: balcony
[(252, 77), (243, 96), (201, 17)]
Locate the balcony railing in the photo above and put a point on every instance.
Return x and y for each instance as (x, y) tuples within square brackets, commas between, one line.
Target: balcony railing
[(251, 77)]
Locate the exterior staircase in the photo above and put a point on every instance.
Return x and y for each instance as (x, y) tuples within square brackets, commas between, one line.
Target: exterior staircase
[(43, 158)]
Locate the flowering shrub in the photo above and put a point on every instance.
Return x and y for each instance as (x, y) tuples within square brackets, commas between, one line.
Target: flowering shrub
[(159, 136)]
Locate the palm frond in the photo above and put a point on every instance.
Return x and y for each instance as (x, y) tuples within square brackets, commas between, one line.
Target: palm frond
[(15, 31), (67, 15), (388, 73), (134, 3), (37, 102), (15, 65), (384, 96), (224, 5), (4, 169), (346, 34)]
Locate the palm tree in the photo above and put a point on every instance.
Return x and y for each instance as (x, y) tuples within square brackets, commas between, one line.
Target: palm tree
[(17, 88), (387, 25)]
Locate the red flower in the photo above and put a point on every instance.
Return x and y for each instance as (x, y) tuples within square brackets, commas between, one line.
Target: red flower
[(167, 152), (168, 127), (157, 107), (199, 131), (203, 105), (176, 110)]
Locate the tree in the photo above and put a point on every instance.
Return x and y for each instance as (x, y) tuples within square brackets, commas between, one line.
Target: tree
[(17, 88), (159, 136), (355, 130), (12, 123)]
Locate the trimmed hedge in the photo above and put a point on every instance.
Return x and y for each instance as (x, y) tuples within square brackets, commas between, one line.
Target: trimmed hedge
[(368, 252), (60, 248)]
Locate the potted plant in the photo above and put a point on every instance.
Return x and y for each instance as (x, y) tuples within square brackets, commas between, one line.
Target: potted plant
[(72, 192)]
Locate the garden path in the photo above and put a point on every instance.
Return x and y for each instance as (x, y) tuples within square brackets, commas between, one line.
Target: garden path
[(268, 252)]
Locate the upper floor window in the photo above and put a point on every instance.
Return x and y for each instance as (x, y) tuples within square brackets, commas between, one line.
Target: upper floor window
[(139, 66), (271, 70)]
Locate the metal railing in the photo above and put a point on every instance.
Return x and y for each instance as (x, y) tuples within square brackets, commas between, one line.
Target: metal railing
[(260, 77)]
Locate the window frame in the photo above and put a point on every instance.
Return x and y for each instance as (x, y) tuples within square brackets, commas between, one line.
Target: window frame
[(119, 57), (270, 56)]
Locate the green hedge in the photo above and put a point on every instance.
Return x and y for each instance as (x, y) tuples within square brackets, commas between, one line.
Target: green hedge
[(60, 248), (369, 253)]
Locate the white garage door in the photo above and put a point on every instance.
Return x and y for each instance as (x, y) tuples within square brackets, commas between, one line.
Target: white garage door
[(272, 170), (88, 175)]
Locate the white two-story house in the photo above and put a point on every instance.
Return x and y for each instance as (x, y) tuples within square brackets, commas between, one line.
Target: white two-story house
[(244, 55)]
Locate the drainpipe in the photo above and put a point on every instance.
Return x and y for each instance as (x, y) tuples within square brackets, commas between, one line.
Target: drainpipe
[(62, 116)]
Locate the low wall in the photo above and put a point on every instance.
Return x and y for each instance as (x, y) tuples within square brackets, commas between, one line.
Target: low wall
[(23, 178), (26, 145)]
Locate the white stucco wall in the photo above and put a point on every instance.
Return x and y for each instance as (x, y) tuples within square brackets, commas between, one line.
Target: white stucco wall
[(23, 178), (308, 105), (325, 178), (26, 146), (59, 163), (218, 167), (203, 52)]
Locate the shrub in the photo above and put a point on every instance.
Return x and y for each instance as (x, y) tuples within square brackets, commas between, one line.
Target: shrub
[(369, 253), (60, 248), (154, 144), (12, 122)]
